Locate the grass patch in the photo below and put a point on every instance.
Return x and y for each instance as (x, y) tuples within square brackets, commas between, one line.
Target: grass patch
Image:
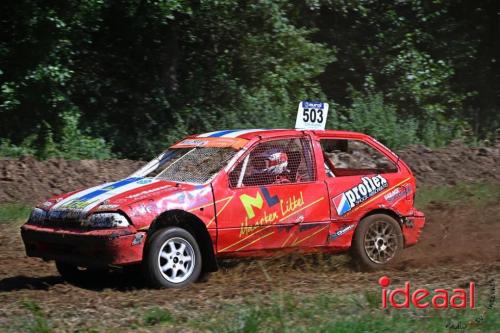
[(39, 324), (157, 316), (475, 193), (14, 212), (329, 313)]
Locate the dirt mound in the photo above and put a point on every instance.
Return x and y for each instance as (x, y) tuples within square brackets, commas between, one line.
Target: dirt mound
[(29, 180), (454, 164)]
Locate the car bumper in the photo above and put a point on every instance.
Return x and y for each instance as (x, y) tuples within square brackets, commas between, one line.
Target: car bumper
[(84, 247), (412, 228)]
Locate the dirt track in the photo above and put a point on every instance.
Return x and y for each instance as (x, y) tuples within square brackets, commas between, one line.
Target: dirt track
[(460, 243)]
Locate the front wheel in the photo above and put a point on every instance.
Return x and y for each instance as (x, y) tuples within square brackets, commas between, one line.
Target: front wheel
[(377, 242), (172, 259)]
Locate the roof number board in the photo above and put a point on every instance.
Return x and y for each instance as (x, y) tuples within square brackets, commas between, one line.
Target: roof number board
[(311, 115)]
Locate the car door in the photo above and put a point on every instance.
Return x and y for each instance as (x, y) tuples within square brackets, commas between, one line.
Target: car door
[(272, 199), (357, 175)]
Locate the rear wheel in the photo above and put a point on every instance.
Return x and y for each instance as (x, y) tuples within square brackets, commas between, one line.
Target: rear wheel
[(378, 241), (173, 258)]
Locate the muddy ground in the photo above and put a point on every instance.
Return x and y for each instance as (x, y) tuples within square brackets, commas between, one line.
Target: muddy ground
[(460, 243)]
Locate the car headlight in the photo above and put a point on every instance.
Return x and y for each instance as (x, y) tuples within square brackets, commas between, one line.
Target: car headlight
[(106, 220), (37, 215)]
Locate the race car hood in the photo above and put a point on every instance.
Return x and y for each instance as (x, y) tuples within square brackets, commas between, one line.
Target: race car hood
[(112, 196)]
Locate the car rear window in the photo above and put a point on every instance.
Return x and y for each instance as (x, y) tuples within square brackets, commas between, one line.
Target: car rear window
[(349, 157)]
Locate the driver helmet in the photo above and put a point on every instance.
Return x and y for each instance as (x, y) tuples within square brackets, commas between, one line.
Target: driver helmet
[(272, 161)]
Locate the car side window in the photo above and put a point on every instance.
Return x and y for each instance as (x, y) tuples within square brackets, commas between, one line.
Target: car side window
[(279, 161), (347, 157)]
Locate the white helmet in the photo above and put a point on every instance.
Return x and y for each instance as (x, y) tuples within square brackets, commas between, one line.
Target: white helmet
[(272, 161)]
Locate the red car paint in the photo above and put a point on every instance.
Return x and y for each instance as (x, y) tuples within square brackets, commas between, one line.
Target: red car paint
[(242, 221)]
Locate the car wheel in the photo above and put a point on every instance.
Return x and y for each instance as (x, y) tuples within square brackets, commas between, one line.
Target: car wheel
[(79, 275), (172, 259), (377, 242)]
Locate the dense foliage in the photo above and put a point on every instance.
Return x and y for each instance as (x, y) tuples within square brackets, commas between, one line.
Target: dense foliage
[(127, 77)]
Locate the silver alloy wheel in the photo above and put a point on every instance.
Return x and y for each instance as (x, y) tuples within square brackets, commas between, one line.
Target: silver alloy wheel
[(381, 242), (176, 260)]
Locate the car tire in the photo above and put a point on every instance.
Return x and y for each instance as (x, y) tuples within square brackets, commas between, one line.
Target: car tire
[(172, 259), (377, 242), (79, 275)]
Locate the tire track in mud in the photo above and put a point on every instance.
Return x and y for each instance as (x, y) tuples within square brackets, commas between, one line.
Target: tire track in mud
[(459, 243)]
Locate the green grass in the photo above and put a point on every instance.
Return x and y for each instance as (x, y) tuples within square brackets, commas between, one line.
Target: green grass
[(157, 316), (10, 212), (474, 193), (329, 313), (39, 324)]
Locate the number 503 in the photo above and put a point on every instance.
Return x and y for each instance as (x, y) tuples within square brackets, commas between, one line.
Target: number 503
[(313, 115)]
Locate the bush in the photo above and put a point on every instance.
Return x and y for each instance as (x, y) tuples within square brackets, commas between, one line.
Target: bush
[(371, 115), (11, 150), (77, 145), (73, 143)]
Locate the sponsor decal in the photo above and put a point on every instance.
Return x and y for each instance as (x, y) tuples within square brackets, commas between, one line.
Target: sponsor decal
[(78, 204), (143, 209), (341, 232), (368, 187), (398, 193), (215, 141), (279, 209), (250, 202), (193, 142), (312, 105)]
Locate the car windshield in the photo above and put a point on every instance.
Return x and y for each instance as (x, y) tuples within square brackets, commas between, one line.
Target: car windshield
[(188, 165)]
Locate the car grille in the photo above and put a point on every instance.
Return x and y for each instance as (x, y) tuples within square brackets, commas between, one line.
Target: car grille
[(63, 223), (63, 219)]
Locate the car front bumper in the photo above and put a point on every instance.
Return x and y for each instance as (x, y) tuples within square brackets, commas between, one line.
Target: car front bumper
[(120, 246)]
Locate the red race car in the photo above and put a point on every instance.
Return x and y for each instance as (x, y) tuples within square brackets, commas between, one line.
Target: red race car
[(235, 193)]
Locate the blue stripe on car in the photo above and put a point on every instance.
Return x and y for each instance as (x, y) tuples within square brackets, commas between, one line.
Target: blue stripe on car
[(110, 187), (221, 133)]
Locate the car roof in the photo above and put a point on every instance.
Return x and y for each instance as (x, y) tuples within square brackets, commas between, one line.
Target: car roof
[(250, 134)]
